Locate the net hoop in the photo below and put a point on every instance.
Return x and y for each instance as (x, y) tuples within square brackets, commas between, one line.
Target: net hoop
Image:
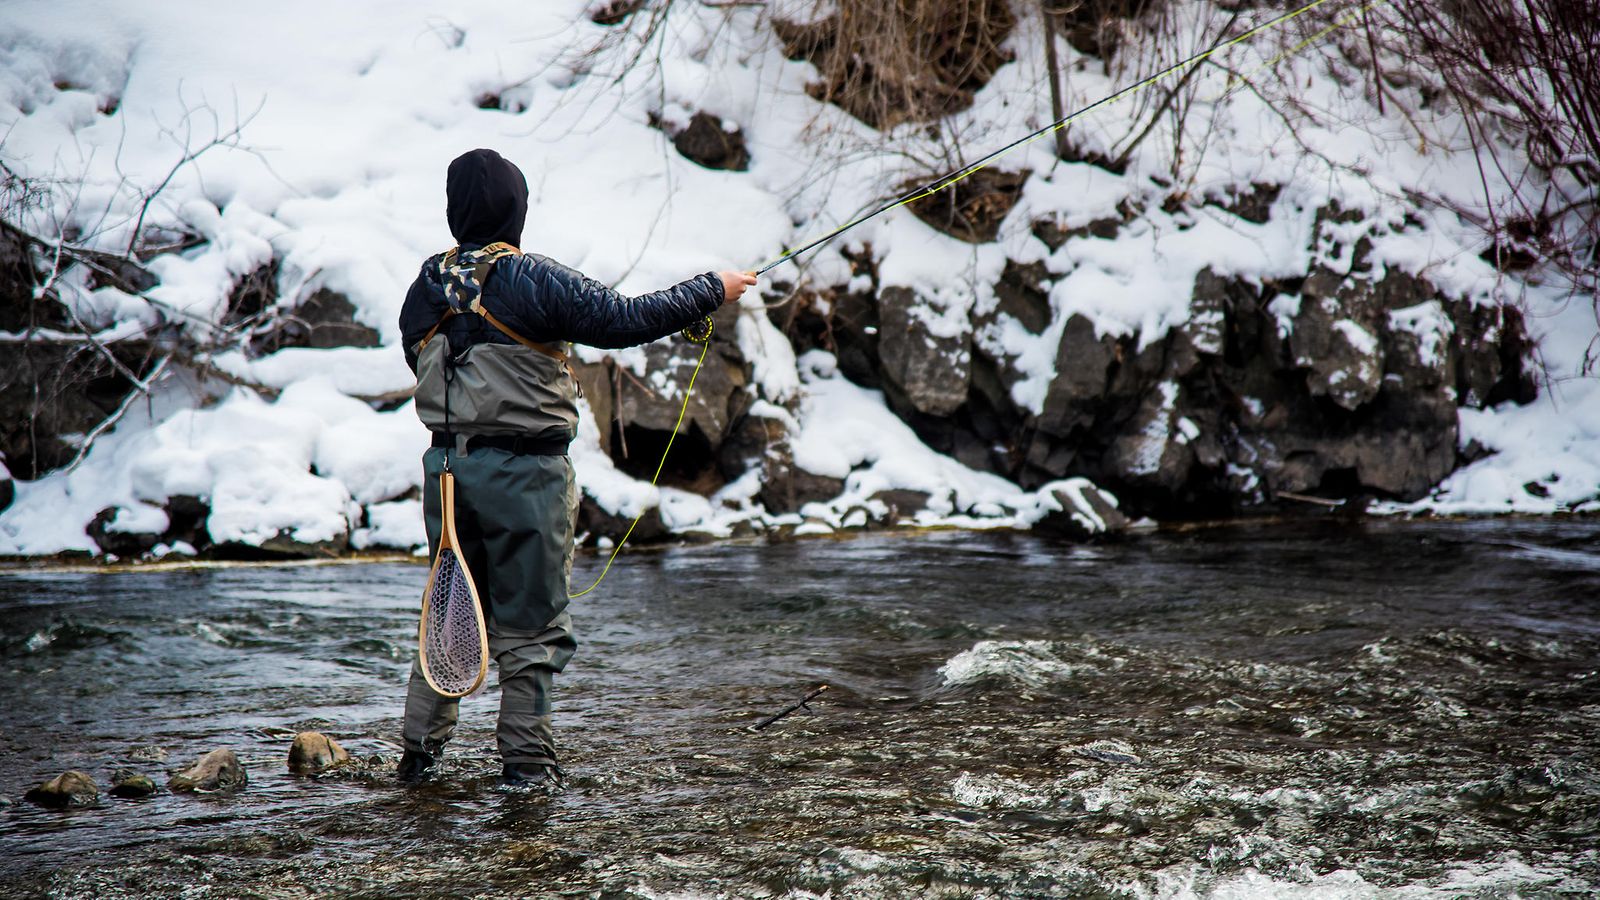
[(444, 561)]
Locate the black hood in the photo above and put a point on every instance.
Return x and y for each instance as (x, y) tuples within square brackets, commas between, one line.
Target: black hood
[(487, 199)]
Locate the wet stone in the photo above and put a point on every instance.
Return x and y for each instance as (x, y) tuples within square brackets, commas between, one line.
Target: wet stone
[(128, 784), (69, 789), (313, 752), (218, 770)]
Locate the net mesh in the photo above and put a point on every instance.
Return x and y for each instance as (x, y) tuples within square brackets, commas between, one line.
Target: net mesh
[(452, 630)]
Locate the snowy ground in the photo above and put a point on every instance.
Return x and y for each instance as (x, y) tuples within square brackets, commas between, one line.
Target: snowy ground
[(348, 114)]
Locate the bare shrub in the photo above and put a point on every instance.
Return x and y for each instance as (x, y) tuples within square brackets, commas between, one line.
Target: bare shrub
[(902, 60), (1527, 72)]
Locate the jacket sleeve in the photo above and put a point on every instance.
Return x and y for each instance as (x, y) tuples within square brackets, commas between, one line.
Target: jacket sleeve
[(559, 303)]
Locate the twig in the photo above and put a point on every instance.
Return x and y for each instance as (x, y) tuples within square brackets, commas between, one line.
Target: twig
[(811, 695), (1319, 501), (141, 387), (229, 138)]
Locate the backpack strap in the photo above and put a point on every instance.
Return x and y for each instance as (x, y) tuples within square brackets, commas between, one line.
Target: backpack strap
[(489, 254)]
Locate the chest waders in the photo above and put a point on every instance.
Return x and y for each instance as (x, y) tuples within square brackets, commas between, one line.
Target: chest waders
[(452, 636)]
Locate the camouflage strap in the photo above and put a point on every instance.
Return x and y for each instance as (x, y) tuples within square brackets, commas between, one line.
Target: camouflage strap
[(466, 295)]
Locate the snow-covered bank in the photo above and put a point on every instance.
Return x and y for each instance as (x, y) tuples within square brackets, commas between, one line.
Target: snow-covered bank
[(1086, 338)]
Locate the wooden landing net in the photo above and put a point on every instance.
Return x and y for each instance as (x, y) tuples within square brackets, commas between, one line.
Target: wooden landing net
[(454, 645)]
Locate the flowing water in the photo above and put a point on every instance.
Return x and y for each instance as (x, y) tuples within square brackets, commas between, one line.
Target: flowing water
[(1381, 709)]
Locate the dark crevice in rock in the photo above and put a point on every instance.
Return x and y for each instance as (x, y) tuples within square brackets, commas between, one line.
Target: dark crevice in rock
[(691, 466), (254, 293)]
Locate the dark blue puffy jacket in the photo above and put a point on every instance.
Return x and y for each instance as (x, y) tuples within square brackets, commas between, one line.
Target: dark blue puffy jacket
[(546, 302)]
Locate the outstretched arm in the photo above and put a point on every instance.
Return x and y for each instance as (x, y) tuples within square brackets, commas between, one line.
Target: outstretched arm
[(584, 310)]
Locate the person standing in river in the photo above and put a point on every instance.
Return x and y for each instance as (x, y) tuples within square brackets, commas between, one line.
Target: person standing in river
[(483, 327)]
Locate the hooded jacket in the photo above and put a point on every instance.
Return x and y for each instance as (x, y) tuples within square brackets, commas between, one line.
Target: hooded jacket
[(475, 379)]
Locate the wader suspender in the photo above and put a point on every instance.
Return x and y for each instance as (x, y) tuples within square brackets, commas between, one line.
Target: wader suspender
[(481, 270)]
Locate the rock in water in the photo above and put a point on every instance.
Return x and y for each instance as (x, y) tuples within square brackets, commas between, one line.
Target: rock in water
[(72, 788), (218, 770), (129, 784), (313, 751)]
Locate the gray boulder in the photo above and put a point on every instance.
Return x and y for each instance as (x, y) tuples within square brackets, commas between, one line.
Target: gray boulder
[(902, 503), (1335, 338), (713, 142), (111, 539), (927, 371)]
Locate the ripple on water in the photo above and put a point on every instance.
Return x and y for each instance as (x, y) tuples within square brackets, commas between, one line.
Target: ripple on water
[(1032, 664), (62, 637)]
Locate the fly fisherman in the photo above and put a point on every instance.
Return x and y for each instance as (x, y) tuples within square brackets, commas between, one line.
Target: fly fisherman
[(483, 327)]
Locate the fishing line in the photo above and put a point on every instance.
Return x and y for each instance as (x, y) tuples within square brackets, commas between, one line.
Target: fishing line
[(703, 338), (701, 332)]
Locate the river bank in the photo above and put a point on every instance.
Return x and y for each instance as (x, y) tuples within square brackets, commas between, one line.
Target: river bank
[(1318, 511)]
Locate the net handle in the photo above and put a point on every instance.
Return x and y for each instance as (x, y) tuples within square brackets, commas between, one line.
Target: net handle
[(447, 504)]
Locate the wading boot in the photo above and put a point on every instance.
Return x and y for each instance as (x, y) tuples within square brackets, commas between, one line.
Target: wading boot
[(415, 767), (530, 775)]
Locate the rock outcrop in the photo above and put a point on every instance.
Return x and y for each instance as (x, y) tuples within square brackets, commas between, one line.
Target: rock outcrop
[(1343, 384), (1075, 508)]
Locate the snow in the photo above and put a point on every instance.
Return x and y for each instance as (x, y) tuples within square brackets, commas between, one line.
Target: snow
[(847, 432), (1432, 328), (1359, 339), (357, 371), (347, 115)]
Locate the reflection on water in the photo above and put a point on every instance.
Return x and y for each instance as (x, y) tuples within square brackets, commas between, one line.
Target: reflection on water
[(1396, 708)]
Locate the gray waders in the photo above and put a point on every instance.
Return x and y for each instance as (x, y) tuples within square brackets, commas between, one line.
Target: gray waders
[(514, 515)]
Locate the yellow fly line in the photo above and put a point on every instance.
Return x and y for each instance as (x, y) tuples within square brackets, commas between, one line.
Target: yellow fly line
[(705, 346), (703, 337)]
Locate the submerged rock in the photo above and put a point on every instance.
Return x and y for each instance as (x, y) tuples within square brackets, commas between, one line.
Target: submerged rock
[(129, 784), (148, 753), (218, 770), (69, 789), (313, 752), (1109, 751)]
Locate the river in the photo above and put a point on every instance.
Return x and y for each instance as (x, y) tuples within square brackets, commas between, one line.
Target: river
[(1385, 708)]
